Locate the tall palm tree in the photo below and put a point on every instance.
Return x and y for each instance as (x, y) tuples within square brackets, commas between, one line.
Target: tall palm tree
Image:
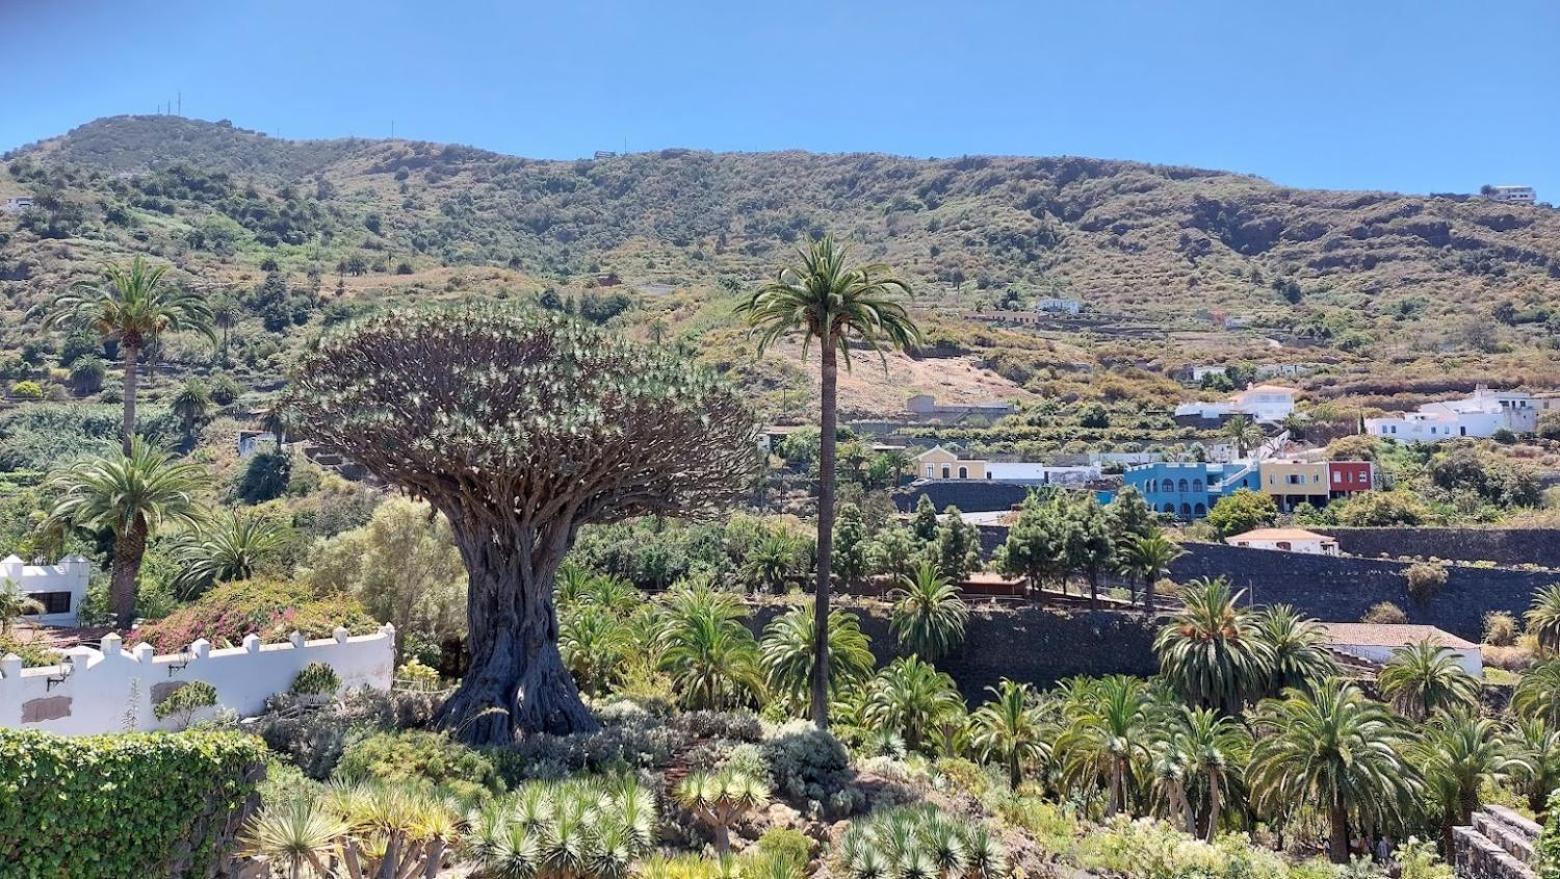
[(1423, 678), (833, 304), (1334, 748), (787, 653), (133, 305), (1147, 558), (1243, 434), (1214, 747), (1211, 652), (929, 613), (192, 403), (1107, 734), (1543, 618), (15, 603), (1010, 728), (1299, 659), (1462, 752), (225, 314), (132, 494), (225, 548), (908, 696)]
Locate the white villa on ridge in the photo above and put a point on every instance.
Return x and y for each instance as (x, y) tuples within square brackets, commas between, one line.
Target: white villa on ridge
[(1265, 404), (60, 588), (1478, 415), (1286, 540)]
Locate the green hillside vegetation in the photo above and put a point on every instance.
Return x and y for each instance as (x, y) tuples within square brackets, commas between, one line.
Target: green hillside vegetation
[(1391, 294)]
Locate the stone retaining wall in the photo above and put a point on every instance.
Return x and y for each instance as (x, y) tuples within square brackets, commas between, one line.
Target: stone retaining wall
[(1503, 546)]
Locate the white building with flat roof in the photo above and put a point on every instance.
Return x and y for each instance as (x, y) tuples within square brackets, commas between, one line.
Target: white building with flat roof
[(1480, 414), (60, 587)]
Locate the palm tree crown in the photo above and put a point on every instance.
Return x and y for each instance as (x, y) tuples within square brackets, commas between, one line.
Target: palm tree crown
[(1424, 678), (929, 613), (1010, 728), (1212, 652)]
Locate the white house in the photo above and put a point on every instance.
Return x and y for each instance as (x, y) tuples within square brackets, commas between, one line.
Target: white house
[(1261, 403), (1286, 540), (1519, 194), (16, 205), (1480, 414), (1376, 641), (60, 587)]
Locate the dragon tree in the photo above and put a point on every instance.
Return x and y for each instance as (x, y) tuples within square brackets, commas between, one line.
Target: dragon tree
[(521, 428)]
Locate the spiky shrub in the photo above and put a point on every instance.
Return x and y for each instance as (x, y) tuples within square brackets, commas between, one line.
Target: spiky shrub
[(316, 679), (720, 799), (373, 829), (535, 426), (920, 843), (576, 829), (808, 764)]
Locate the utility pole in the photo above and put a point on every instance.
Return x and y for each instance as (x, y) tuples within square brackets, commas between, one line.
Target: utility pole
[(180, 111), (392, 129)]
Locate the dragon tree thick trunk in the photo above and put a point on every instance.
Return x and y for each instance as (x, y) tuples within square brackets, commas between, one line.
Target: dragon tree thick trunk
[(517, 679), (827, 425), (132, 368)]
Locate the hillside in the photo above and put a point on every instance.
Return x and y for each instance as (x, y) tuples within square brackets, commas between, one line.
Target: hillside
[(1173, 265)]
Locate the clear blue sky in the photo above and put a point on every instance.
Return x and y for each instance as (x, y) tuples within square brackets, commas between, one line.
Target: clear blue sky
[(1420, 96)]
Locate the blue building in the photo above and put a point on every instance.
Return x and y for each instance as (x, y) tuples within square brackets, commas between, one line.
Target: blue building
[(1189, 489)]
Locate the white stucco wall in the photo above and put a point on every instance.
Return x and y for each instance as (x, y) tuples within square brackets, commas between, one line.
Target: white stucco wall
[(70, 574), (105, 687)]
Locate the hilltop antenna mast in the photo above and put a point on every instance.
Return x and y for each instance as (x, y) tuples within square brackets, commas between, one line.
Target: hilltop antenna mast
[(180, 111), (392, 129)]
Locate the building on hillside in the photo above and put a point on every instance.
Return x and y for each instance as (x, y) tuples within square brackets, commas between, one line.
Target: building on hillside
[(16, 204), (1189, 489), (1056, 305), (1294, 482), (1265, 404), (1479, 414), (59, 587), (251, 441), (941, 463), (924, 407), (1508, 193), (1286, 540), (1376, 641)]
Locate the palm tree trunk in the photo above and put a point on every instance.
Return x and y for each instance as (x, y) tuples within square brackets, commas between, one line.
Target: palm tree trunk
[(1148, 595), (1338, 841), (132, 366), (1094, 591), (129, 547), (1213, 806), (1188, 817), (820, 672), (1015, 771), (1116, 792)]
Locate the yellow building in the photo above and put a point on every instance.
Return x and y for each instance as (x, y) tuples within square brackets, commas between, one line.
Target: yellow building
[(1292, 483), (939, 463)]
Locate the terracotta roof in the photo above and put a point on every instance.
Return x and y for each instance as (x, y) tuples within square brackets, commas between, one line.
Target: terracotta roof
[(1391, 635), (990, 577), (1281, 534), (1268, 388)]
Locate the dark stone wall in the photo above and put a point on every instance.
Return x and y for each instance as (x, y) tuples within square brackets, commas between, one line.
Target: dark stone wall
[(1503, 546), (1343, 589), (1020, 641), (969, 495)]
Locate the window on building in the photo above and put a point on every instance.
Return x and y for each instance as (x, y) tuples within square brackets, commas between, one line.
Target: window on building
[(53, 602), (964, 473), (946, 471)]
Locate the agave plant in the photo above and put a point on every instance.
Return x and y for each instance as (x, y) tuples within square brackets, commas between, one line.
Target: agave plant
[(372, 829), (921, 843), (563, 830), (722, 798)]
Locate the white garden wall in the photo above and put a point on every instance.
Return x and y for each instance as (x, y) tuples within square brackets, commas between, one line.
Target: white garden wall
[(112, 689)]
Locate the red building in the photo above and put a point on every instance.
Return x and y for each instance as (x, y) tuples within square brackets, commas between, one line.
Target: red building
[(1350, 477)]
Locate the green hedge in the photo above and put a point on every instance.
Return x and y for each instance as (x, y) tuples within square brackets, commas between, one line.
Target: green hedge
[(120, 806)]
